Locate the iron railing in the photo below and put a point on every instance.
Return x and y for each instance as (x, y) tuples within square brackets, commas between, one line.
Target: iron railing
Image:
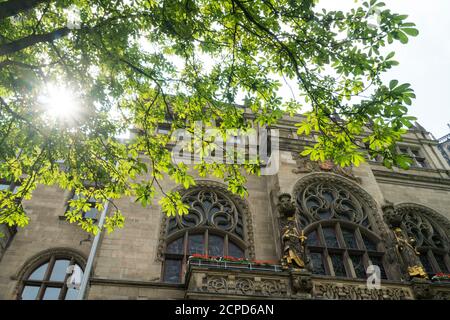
[(233, 265)]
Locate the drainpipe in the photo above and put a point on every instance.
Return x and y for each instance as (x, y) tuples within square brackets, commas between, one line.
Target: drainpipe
[(92, 254)]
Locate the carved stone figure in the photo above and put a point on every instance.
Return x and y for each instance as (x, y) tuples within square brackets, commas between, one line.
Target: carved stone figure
[(409, 255), (286, 207), (293, 253), (301, 283), (293, 241)]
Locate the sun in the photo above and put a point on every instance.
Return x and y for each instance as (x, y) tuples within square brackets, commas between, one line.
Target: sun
[(59, 102)]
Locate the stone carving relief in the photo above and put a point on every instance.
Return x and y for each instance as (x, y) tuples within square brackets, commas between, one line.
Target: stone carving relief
[(359, 292), (305, 165), (245, 285)]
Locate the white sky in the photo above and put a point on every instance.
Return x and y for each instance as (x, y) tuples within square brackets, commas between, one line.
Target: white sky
[(424, 60)]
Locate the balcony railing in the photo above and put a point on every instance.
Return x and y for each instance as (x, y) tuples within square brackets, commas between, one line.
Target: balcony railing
[(233, 265)]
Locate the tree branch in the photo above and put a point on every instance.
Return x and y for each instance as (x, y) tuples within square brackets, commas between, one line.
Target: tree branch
[(29, 41)]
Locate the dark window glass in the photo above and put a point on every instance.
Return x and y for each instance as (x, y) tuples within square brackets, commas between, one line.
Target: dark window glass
[(378, 261), (358, 266), (426, 262), (30, 293), (349, 238), (172, 270), (51, 293), (196, 244), (175, 246), (370, 245), (92, 213), (338, 265), (330, 237), (441, 262), (317, 263), (234, 250), (312, 239), (59, 270), (39, 273), (215, 245)]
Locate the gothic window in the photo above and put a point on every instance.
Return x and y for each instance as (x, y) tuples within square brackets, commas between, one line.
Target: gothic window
[(337, 218), (46, 280), (431, 240), (343, 249), (213, 227)]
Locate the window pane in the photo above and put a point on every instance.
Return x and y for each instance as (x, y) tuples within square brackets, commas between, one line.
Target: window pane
[(330, 237), (426, 262), (349, 238), (317, 263), (39, 273), (358, 266), (370, 245), (59, 270), (312, 239), (30, 293), (175, 246), (235, 251), (196, 244), (51, 293), (71, 294), (338, 265), (441, 262), (378, 261), (92, 213), (172, 270), (215, 245)]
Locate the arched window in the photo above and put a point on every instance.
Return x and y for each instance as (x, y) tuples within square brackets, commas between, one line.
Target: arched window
[(343, 249), (213, 227), (431, 238), (337, 218), (46, 278)]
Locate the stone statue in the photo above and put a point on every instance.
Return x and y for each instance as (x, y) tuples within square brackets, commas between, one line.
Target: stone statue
[(291, 239), (409, 255), (293, 250), (404, 246)]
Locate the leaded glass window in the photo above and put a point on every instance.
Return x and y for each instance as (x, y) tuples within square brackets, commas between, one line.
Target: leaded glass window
[(47, 281), (343, 250)]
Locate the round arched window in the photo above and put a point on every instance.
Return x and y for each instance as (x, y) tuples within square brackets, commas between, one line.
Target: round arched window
[(214, 227), (47, 279)]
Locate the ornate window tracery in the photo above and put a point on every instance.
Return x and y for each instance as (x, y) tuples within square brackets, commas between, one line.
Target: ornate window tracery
[(323, 200), (430, 232), (215, 226)]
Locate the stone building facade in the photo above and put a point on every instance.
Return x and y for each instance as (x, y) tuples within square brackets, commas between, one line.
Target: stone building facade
[(335, 221), (444, 146)]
